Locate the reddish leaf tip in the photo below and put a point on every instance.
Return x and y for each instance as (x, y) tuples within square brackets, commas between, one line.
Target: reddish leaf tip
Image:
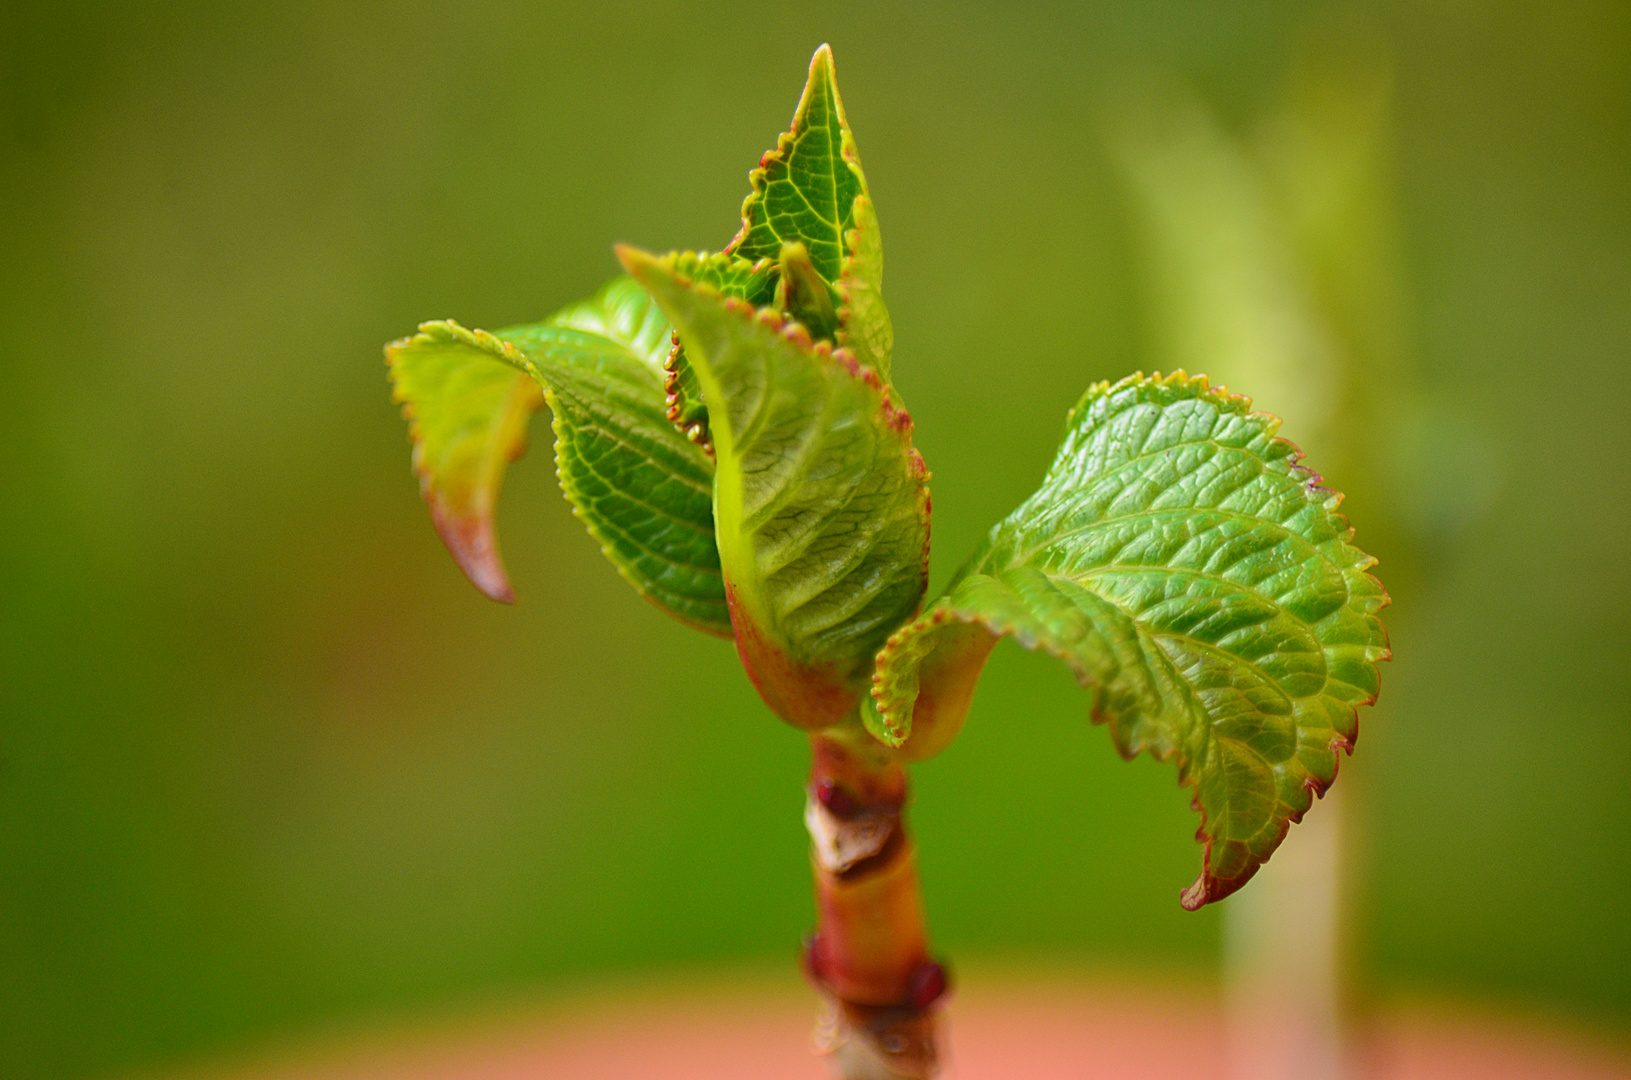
[(474, 546)]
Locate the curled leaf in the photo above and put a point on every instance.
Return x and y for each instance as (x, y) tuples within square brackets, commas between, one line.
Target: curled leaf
[(468, 421), (643, 490)]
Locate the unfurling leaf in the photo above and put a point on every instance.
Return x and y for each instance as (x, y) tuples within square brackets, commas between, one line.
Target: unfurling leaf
[(642, 489), (1193, 576), (808, 245), (820, 501)]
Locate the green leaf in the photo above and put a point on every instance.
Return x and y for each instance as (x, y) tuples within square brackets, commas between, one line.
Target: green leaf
[(1199, 582), (805, 189), (820, 501), (643, 490), (810, 191), (468, 421)]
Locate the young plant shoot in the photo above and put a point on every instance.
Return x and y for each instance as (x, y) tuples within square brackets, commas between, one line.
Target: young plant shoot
[(726, 427)]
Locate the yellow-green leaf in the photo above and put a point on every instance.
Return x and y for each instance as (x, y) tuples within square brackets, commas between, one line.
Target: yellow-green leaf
[(468, 421)]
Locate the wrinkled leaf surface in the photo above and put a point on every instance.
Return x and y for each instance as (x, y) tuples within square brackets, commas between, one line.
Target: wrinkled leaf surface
[(1197, 580)]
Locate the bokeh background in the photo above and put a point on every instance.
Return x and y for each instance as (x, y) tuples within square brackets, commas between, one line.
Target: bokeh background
[(269, 765)]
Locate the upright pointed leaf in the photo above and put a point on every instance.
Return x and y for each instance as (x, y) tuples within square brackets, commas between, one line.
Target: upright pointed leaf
[(1199, 582), (820, 501), (642, 489), (805, 189), (810, 190)]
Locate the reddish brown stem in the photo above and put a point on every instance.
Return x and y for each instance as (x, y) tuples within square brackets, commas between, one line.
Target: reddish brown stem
[(869, 955)]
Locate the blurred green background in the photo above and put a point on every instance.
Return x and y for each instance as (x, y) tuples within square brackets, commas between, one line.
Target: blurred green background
[(268, 763)]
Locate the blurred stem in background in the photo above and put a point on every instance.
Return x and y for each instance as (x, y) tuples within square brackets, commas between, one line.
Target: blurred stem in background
[(1273, 264)]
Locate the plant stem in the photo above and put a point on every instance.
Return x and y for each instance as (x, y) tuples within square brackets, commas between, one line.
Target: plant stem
[(869, 955)]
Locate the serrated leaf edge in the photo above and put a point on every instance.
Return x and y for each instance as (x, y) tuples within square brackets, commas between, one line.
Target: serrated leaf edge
[(847, 266), (847, 152), (674, 399), (1206, 889), (850, 155)]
